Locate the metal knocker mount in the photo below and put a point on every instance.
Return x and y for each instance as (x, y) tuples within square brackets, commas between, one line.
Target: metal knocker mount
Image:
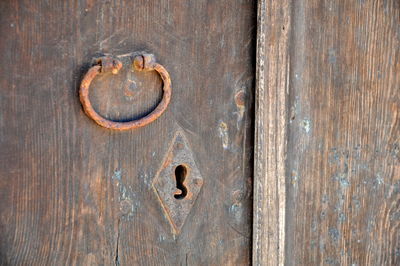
[(139, 62)]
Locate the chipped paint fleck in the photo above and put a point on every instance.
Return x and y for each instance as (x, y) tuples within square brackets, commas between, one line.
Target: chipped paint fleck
[(342, 179), (325, 199), (332, 56), (379, 180), (128, 203), (117, 174), (305, 124), (161, 238), (341, 218), (334, 234), (294, 178), (223, 133)]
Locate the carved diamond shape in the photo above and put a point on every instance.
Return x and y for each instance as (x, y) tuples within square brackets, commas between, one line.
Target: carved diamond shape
[(178, 182)]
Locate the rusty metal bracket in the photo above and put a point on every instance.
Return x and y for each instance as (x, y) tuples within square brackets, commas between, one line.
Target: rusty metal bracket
[(178, 182), (106, 64)]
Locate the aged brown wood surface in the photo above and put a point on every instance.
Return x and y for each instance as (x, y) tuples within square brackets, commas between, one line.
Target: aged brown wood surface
[(327, 126), (343, 150), (273, 28), (74, 193)]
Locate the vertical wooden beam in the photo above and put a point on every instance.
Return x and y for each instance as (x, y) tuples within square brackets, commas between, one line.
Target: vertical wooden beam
[(343, 149), (272, 80)]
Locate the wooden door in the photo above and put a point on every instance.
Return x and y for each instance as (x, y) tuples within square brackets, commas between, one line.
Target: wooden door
[(306, 91), (75, 193)]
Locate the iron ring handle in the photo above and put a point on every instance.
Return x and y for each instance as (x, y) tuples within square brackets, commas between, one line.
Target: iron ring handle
[(142, 62)]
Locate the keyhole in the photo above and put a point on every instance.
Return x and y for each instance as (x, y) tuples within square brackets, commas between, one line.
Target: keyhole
[(180, 175)]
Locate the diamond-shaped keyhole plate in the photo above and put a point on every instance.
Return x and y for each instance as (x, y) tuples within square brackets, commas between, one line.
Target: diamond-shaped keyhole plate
[(178, 182)]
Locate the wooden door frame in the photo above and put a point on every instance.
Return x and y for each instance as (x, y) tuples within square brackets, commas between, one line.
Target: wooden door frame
[(272, 86)]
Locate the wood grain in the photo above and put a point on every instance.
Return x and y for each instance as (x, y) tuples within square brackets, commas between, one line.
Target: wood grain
[(343, 168), (272, 75), (74, 193)]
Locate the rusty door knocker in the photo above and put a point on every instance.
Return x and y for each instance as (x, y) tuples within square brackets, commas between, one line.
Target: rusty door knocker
[(141, 62)]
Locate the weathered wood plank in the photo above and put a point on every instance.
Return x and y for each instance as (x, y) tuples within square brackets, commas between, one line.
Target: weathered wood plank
[(339, 127), (343, 169), (272, 76)]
